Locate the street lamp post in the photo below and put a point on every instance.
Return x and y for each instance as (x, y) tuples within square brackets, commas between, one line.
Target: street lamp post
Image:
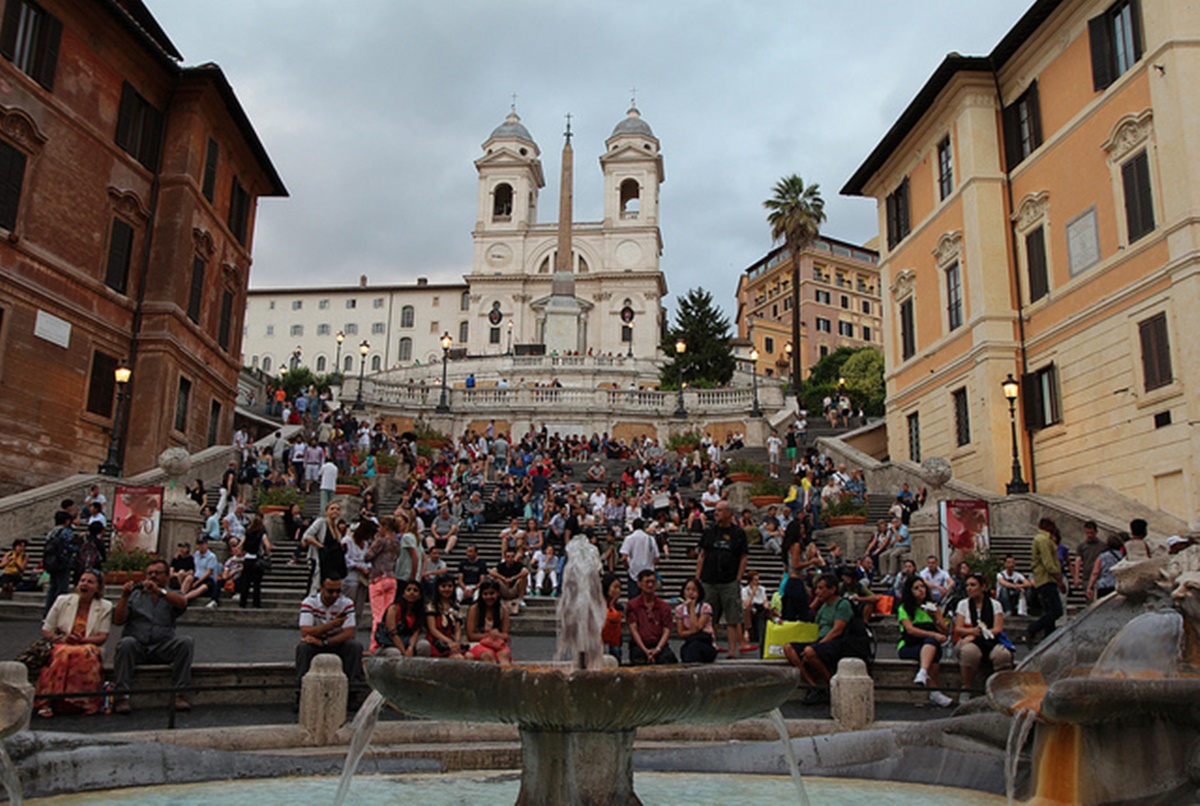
[(363, 348), (112, 464), (337, 362), (1012, 389), (443, 406), (680, 349), (510, 330), (296, 354), (755, 411)]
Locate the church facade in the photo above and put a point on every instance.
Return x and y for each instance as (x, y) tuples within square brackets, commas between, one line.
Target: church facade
[(565, 287)]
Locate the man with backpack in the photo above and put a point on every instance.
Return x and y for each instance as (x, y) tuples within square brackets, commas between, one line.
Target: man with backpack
[(58, 557)]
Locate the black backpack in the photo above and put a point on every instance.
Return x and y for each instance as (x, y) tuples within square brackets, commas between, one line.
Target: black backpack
[(59, 550)]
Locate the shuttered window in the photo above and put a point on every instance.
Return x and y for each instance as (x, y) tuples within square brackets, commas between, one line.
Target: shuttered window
[(954, 301), (225, 328), (1156, 352), (29, 38), (196, 292), (102, 385), (1139, 205), (239, 211), (962, 417), (1022, 127), (914, 437), (908, 336), (139, 126), (12, 177), (181, 404), (898, 224), (120, 251), (210, 170), (1116, 42), (1039, 395), (1035, 260)]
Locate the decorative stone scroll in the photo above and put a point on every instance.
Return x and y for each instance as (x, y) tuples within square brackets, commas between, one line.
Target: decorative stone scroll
[(948, 249), (128, 205), (903, 285), (1032, 210), (202, 241), (18, 126), (1130, 132)]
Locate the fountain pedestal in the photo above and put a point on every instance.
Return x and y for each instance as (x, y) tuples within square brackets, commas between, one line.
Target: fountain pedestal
[(582, 769)]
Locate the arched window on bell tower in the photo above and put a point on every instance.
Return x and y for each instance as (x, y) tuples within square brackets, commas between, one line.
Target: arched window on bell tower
[(502, 202), (630, 198)]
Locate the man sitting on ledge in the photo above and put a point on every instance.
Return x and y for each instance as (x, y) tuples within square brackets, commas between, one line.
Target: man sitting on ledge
[(327, 625), (815, 660), (148, 611)]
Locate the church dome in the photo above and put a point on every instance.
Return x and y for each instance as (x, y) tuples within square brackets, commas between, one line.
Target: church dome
[(632, 124), (512, 127)]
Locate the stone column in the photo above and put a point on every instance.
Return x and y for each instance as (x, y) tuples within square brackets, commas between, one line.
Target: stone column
[(852, 695), (323, 693), (584, 768), (181, 520)]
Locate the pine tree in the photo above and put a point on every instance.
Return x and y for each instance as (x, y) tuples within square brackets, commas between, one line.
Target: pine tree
[(708, 359)]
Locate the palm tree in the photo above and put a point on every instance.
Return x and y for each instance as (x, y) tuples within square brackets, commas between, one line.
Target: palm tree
[(797, 212)]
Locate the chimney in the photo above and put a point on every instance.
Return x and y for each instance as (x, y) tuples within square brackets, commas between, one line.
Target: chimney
[(422, 281), (362, 281)]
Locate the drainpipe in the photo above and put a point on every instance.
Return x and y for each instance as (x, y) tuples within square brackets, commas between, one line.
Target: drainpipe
[(1016, 270), (147, 242)]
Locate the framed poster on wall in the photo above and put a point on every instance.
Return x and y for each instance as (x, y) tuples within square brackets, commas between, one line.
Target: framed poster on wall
[(963, 529), (137, 516)]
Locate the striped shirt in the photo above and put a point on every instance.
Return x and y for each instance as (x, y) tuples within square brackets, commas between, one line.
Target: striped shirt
[(314, 613)]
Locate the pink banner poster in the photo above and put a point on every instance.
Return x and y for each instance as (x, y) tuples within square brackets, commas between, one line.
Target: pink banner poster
[(137, 513), (964, 530)]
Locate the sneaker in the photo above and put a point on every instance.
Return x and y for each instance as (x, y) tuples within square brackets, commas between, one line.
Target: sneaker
[(922, 678), (964, 698), (940, 700), (212, 605)]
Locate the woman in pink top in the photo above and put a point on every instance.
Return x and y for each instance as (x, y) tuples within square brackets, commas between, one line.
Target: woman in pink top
[(693, 622)]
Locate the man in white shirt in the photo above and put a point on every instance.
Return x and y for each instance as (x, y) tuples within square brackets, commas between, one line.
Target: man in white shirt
[(640, 552), (774, 446), (327, 476), (936, 578), (327, 625)]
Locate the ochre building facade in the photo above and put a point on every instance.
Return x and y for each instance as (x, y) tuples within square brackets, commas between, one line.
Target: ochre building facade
[(1038, 216)]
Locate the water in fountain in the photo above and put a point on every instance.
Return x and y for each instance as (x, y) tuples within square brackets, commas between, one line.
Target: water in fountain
[(789, 752), (363, 729), (1018, 733), (581, 606)]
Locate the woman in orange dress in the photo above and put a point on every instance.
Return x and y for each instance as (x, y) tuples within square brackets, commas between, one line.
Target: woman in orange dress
[(78, 623)]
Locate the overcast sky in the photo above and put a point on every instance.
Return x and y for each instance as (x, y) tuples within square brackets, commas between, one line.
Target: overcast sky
[(374, 111)]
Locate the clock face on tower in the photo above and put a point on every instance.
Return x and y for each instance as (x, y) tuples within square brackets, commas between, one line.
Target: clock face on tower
[(627, 315)]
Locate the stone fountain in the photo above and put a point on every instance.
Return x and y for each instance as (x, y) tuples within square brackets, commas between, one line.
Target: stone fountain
[(1118, 716), (577, 721)]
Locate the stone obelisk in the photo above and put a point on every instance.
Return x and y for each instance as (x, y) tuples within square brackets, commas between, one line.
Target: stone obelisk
[(562, 331)]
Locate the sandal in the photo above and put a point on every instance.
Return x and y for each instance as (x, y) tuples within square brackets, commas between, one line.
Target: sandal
[(45, 712)]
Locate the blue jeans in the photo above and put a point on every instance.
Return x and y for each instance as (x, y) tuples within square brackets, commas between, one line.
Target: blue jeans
[(57, 586)]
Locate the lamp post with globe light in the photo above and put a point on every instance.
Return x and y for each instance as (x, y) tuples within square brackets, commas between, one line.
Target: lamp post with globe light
[(112, 464), (755, 411), (1012, 390), (337, 363), (363, 348), (443, 405), (680, 349)]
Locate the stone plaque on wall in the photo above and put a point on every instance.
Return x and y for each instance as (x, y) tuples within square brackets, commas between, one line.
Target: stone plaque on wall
[(1083, 241)]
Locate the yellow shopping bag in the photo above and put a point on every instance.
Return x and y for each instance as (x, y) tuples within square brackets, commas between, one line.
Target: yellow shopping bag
[(789, 632)]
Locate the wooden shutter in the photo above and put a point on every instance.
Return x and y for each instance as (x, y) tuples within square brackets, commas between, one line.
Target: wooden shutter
[(1156, 352), (1139, 204), (1035, 259), (12, 177), (223, 329), (8, 30), (120, 249), (151, 134), (1100, 39), (210, 170), (1031, 401), (126, 118), (46, 61), (1035, 115), (196, 294), (102, 385)]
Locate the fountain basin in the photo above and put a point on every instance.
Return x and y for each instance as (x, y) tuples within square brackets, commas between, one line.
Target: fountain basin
[(577, 727)]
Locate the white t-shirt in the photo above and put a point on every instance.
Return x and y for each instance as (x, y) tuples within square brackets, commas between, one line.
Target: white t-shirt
[(774, 443), (329, 474), (964, 610), (642, 551), (937, 578), (1017, 577)]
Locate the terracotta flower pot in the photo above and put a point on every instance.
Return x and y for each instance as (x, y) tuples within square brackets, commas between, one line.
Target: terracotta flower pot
[(347, 489), (736, 477), (846, 520), (766, 500), (121, 577)]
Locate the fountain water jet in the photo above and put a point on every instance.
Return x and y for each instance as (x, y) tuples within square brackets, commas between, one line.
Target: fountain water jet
[(577, 726)]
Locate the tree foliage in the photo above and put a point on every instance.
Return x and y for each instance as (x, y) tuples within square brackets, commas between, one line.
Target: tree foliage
[(862, 369), (299, 378), (708, 360)]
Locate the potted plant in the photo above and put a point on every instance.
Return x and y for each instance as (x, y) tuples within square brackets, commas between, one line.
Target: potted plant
[(844, 511), (684, 443), (123, 564), (278, 499), (349, 484), (768, 491), (386, 463), (744, 470)]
